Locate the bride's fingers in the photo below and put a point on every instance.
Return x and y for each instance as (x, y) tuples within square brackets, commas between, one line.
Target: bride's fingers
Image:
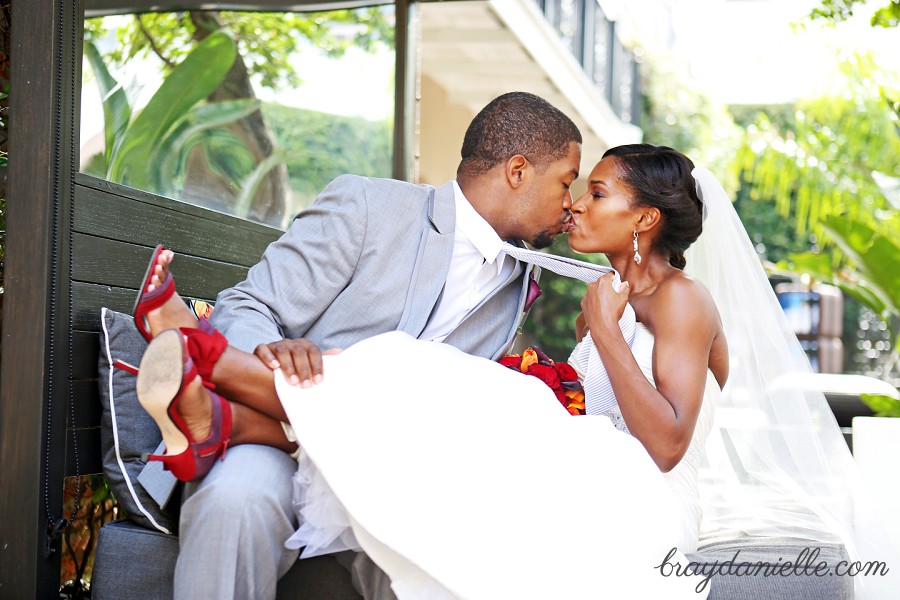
[(333, 351)]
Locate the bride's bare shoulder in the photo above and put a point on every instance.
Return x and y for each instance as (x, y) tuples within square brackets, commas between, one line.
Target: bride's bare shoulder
[(685, 300)]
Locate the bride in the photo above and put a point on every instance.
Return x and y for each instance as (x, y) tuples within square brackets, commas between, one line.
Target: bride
[(460, 478)]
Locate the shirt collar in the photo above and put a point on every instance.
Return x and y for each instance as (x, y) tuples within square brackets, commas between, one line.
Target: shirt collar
[(475, 228)]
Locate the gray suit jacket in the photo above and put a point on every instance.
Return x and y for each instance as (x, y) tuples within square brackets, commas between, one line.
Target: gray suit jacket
[(367, 257)]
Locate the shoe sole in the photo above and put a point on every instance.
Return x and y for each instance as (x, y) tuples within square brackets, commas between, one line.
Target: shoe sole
[(158, 383)]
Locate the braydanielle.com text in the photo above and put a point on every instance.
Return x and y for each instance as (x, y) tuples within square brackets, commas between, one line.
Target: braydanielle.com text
[(806, 564)]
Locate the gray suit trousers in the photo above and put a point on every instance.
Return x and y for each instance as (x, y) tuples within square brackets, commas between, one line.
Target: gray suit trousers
[(236, 520)]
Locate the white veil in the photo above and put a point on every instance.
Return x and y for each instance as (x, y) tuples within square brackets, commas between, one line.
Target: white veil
[(777, 463)]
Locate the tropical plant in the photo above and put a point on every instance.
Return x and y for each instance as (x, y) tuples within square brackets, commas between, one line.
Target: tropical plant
[(266, 51), (150, 150), (834, 169)]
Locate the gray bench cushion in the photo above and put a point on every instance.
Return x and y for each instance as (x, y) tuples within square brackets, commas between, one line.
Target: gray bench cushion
[(126, 430), (775, 551), (135, 562)]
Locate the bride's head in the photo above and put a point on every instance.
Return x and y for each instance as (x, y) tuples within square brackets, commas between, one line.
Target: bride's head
[(642, 189)]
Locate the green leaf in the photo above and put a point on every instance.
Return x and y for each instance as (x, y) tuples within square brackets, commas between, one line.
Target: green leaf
[(116, 110), (195, 78), (253, 181), (876, 256), (882, 406), (101, 493), (192, 129), (815, 264), (863, 295)]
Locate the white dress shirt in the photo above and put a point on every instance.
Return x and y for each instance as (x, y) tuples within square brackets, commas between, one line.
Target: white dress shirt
[(477, 268)]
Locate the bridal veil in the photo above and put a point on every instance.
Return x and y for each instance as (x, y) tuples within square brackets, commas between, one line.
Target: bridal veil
[(777, 463)]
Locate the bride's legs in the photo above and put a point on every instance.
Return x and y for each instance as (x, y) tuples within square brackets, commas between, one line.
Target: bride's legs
[(242, 378), (238, 376), (248, 426)]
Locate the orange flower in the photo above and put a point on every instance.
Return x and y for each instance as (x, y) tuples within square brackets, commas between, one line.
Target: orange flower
[(575, 395), (529, 357)]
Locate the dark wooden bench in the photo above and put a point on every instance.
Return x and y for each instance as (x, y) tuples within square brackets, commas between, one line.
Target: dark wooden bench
[(114, 231)]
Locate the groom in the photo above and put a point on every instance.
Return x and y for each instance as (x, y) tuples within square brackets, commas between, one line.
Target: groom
[(368, 257)]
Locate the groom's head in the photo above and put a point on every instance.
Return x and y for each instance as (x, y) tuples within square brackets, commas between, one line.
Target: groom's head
[(519, 157)]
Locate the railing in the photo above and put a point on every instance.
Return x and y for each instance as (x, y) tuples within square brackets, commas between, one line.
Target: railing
[(591, 37)]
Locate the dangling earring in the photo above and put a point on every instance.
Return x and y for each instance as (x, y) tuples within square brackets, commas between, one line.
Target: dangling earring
[(637, 255)]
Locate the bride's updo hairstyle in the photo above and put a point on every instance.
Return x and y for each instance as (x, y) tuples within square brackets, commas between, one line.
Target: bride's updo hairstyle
[(661, 177)]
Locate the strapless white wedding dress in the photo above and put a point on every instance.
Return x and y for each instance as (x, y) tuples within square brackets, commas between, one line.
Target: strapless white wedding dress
[(683, 478), (461, 478)]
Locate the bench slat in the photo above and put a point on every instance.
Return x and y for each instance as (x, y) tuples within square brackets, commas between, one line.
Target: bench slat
[(148, 220), (89, 298), (195, 277)]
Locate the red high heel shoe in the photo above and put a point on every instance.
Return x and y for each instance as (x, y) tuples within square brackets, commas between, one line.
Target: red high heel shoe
[(147, 301), (165, 368)]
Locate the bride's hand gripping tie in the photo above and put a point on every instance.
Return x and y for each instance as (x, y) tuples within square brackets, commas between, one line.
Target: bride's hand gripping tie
[(603, 305)]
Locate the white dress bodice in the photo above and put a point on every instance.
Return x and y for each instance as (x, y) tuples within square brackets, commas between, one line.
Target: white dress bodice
[(683, 477)]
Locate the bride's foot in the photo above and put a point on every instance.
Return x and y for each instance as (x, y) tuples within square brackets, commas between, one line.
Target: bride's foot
[(159, 307), (195, 409), (195, 423)]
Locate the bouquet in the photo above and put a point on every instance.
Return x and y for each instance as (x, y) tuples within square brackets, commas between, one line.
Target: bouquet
[(559, 376)]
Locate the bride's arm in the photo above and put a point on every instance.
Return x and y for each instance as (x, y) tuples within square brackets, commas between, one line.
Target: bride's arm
[(580, 327), (684, 321)]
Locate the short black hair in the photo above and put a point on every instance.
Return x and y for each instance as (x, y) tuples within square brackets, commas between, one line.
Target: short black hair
[(662, 177), (516, 123)]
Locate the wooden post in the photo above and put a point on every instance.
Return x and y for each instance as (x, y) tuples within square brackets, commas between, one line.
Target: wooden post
[(46, 38), (405, 89)]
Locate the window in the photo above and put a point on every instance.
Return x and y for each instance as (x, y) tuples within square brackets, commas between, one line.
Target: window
[(246, 113)]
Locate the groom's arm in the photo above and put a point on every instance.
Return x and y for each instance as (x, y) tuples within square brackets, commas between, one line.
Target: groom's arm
[(301, 273)]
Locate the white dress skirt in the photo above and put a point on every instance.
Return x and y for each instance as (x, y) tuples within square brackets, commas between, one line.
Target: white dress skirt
[(462, 478)]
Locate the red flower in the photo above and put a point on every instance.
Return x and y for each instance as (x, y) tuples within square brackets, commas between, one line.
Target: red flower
[(561, 396), (566, 372), (546, 374), (512, 361), (561, 378)]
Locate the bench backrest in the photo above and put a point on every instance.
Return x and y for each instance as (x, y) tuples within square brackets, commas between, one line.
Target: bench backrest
[(114, 231)]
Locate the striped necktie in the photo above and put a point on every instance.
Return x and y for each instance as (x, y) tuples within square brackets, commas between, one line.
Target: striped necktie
[(598, 392)]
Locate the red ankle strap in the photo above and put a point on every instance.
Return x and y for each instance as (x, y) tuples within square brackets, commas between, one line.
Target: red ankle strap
[(205, 349)]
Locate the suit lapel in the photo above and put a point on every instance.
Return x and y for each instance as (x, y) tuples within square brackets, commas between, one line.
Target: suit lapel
[(432, 262)]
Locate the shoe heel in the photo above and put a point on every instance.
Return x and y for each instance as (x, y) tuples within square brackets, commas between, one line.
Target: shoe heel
[(159, 382), (183, 465)]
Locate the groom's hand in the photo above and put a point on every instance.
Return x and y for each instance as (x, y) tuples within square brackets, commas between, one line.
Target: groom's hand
[(300, 360)]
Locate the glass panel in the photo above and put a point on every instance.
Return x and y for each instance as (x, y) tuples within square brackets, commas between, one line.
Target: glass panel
[(246, 113)]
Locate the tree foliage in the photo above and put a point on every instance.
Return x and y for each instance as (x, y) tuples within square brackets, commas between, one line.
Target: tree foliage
[(266, 42), (835, 157), (317, 147), (836, 11)]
